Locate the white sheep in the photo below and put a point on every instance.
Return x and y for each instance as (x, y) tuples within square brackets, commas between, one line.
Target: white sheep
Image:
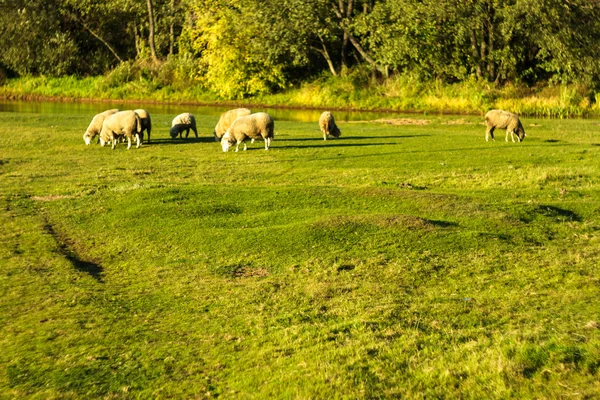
[(504, 120), (183, 122), (146, 123), (227, 119), (95, 126), (328, 126), (254, 126), (126, 123)]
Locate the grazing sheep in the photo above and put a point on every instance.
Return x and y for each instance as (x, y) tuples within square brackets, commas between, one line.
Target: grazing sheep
[(126, 123), (183, 122), (146, 123), (95, 126), (503, 120), (328, 126), (227, 119), (254, 126)]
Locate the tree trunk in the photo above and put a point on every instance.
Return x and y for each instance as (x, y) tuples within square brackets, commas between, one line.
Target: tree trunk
[(348, 9), (171, 28), (151, 31), (352, 39), (475, 51), (325, 54), (108, 46), (137, 40)]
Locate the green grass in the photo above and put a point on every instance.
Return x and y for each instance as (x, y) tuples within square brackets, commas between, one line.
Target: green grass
[(398, 261)]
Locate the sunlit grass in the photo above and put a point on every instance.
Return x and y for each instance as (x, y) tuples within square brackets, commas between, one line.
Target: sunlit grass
[(411, 261)]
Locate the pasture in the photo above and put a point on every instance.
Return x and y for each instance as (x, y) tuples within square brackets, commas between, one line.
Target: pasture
[(412, 260)]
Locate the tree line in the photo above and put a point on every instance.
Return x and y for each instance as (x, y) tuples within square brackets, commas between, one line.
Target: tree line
[(244, 47)]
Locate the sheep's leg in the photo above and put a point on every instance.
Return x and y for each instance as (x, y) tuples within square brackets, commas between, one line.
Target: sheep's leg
[(489, 132), (128, 142), (187, 133), (267, 143), (507, 132), (237, 146), (512, 136), (195, 132), (138, 140), (245, 147), (325, 136), (113, 140)]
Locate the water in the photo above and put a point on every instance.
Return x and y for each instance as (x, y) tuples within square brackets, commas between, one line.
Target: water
[(92, 108)]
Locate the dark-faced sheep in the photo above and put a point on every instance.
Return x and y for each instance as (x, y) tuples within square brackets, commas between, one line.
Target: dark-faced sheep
[(328, 126), (254, 126), (95, 126), (504, 120), (146, 123), (123, 123), (227, 119), (183, 122)]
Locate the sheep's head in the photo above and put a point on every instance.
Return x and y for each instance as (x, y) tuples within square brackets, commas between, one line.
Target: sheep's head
[(226, 141), (174, 132), (521, 134), (335, 132), (87, 138)]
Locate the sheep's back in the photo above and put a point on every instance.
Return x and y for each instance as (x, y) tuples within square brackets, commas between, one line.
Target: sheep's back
[(96, 125), (254, 126), (228, 118), (184, 119), (122, 122), (501, 119)]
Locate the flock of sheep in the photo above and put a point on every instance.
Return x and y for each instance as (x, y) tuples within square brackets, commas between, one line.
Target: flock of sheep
[(237, 126)]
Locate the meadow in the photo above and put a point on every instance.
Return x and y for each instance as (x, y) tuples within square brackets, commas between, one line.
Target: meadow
[(409, 258)]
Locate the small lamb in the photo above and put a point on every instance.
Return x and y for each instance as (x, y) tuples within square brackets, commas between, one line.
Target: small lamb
[(504, 120), (227, 119), (126, 123), (254, 126), (183, 122), (328, 126), (146, 123), (95, 126)]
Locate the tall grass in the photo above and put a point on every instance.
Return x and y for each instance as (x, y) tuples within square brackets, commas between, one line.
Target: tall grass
[(178, 81)]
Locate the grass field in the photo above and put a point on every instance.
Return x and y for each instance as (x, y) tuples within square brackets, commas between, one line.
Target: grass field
[(412, 261)]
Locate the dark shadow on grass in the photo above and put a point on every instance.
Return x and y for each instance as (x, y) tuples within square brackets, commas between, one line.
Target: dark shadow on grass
[(65, 249), (558, 213), (315, 146), (441, 224), (169, 141), (552, 141), (320, 139)]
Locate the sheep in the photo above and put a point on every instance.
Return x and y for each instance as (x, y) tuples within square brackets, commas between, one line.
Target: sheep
[(227, 119), (126, 123), (95, 126), (254, 126), (503, 119), (183, 122), (146, 123), (328, 126)]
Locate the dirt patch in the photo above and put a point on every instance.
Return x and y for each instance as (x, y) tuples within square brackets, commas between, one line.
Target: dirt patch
[(51, 197), (460, 121), (382, 221), (402, 121)]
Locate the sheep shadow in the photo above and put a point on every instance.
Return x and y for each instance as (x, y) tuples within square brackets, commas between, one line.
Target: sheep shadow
[(179, 141), (316, 146), (344, 138)]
